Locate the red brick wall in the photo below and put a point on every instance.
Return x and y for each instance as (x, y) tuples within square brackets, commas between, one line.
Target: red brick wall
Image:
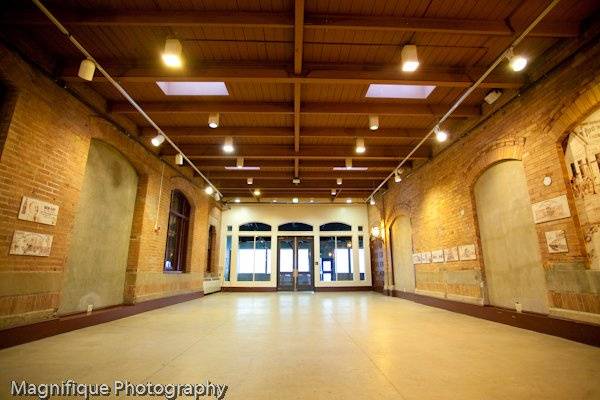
[(439, 195), (44, 156)]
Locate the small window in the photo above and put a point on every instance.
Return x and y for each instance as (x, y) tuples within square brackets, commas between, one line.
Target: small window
[(229, 228), (335, 226), (255, 226), (227, 267), (295, 227), (360, 228), (177, 233)]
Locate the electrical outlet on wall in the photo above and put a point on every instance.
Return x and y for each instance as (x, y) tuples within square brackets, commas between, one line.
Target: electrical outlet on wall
[(90, 307)]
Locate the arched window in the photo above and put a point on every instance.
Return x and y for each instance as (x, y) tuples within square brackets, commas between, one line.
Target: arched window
[(295, 227), (177, 233), (255, 226), (335, 226)]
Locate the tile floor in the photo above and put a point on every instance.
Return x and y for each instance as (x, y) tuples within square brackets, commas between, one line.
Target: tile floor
[(315, 346)]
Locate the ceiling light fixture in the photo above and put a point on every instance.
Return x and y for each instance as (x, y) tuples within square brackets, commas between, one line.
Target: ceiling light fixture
[(372, 201), (274, 200), (250, 181), (296, 181), (410, 61), (295, 200), (339, 181), (209, 190), (517, 63), (349, 167), (397, 177), (333, 192), (373, 122), (171, 56), (157, 140), (228, 145), (86, 70), (360, 146), (440, 135), (492, 96), (256, 192), (239, 163), (348, 201), (312, 200), (179, 159), (213, 120), (237, 200)]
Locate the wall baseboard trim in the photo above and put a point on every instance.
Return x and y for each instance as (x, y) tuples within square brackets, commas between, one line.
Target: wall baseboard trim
[(565, 328), (247, 289), (29, 333), (344, 289)]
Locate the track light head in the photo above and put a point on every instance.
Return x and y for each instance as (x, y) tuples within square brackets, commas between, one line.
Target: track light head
[(86, 70), (440, 135), (213, 120), (373, 122), (360, 146), (157, 140), (228, 145), (410, 61), (517, 62)]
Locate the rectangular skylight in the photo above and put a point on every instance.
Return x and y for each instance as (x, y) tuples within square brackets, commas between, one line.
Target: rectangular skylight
[(234, 168), (350, 168), (193, 88), (387, 91)]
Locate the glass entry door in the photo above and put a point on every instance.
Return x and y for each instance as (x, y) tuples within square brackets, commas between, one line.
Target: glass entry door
[(294, 263)]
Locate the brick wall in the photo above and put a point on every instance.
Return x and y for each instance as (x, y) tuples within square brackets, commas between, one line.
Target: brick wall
[(439, 198), (43, 155)]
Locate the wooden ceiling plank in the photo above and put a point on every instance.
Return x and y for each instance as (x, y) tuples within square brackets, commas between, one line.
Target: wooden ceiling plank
[(414, 110), (313, 74), (196, 18), (272, 152)]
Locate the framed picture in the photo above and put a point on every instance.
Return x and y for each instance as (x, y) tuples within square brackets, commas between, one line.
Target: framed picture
[(451, 254), (550, 210), (31, 244), (426, 257), (556, 241), (467, 252), (416, 258), (437, 256)]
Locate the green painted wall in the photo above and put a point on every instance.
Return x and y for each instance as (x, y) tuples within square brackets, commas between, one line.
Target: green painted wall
[(97, 259), (512, 260)]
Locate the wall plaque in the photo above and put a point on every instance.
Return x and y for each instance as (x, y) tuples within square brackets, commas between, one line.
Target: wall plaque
[(416, 258), (38, 211), (31, 244), (551, 209)]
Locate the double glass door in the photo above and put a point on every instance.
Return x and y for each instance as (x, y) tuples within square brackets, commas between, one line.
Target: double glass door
[(294, 263)]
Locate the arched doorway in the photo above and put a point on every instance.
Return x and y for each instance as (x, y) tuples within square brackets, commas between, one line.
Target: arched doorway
[(97, 259), (512, 260), (401, 246)]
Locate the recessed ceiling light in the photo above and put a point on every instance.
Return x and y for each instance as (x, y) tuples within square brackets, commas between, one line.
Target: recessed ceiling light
[(295, 200), (236, 200), (193, 88), (391, 91), (348, 201)]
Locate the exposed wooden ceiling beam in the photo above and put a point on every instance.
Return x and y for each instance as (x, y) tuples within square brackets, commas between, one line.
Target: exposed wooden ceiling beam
[(298, 35), (413, 110), (320, 165), (297, 100), (288, 185), (308, 176), (183, 133), (267, 152), (142, 72), (196, 18)]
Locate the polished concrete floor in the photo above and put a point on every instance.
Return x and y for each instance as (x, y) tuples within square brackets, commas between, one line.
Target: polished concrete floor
[(315, 346)]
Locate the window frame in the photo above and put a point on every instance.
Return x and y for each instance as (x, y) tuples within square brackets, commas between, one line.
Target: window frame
[(182, 221)]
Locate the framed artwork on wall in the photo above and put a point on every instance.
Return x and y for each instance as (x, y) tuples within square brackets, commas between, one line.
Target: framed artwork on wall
[(467, 252), (437, 256), (451, 254)]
